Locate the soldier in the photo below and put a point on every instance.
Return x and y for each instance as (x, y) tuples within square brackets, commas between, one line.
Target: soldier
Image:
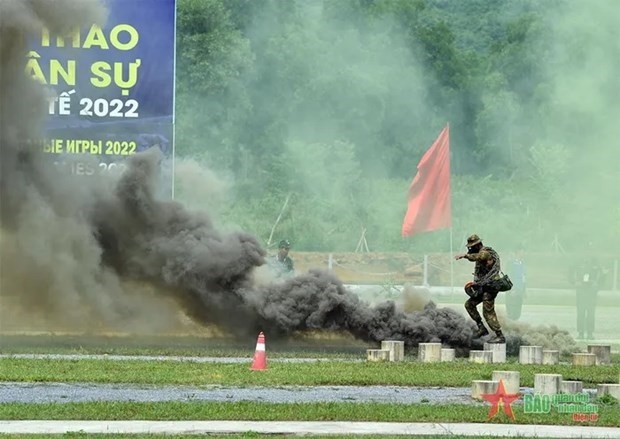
[(281, 263), (587, 278), (481, 290)]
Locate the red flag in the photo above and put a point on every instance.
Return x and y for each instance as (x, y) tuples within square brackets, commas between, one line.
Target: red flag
[(429, 194)]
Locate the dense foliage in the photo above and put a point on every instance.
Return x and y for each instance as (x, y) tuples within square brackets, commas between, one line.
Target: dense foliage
[(330, 104)]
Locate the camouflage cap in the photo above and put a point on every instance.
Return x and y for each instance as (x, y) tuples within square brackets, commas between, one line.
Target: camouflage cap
[(473, 240), (285, 243)]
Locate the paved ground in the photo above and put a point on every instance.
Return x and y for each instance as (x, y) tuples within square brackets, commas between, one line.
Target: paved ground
[(85, 392), (301, 428)]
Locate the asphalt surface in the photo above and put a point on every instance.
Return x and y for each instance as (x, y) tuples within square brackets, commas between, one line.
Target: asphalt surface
[(11, 392)]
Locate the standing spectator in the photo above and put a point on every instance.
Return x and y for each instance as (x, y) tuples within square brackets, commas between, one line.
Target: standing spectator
[(587, 279)]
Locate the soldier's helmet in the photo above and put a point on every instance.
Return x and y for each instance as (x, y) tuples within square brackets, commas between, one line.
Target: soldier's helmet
[(285, 243), (473, 240)]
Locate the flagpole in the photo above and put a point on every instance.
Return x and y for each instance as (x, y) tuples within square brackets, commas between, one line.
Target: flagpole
[(451, 242), (451, 267)]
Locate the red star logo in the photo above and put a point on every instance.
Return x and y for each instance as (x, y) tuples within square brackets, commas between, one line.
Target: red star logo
[(500, 397)]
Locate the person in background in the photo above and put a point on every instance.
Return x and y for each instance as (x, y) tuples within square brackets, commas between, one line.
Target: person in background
[(480, 290), (587, 280), (515, 297), (282, 264)]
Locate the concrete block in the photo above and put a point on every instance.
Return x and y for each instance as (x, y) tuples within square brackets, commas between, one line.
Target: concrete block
[(530, 354), (429, 352), (448, 355), (482, 387), (377, 355), (550, 357), (511, 379), (547, 383), (396, 348), (481, 356), (608, 389), (499, 351), (584, 359), (571, 387), (602, 352)]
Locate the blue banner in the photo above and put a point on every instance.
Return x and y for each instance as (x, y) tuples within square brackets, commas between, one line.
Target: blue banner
[(111, 88)]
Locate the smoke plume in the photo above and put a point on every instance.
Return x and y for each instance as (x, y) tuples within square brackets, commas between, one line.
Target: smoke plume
[(103, 250)]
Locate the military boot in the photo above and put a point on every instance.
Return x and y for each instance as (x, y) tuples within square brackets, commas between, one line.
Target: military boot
[(499, 338), (482, 331)]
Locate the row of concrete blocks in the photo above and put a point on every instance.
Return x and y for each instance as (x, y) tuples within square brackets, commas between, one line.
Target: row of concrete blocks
[(496, 353), (544, 384), (597, 354), (392, 350), (434, 353)]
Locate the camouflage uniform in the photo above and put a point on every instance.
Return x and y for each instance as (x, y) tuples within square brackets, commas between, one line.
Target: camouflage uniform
[(483, 275), (484, 288), (282, 267), (281, 263)]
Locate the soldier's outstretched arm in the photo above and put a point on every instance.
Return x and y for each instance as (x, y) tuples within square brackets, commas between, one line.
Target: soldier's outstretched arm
[(474, 257)]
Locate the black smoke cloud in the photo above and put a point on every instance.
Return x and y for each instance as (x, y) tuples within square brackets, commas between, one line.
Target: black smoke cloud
[(211, 274), (78, 248)]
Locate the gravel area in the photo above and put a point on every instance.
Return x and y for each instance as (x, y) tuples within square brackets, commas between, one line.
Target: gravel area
[(84, 392)]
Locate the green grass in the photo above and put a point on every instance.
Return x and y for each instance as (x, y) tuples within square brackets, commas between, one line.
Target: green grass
[(249, 411), (459, 374), (310, 346), (334, 352), (186, 352)]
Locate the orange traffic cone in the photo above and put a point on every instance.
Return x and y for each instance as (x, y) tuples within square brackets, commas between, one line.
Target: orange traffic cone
[(260, 356)]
